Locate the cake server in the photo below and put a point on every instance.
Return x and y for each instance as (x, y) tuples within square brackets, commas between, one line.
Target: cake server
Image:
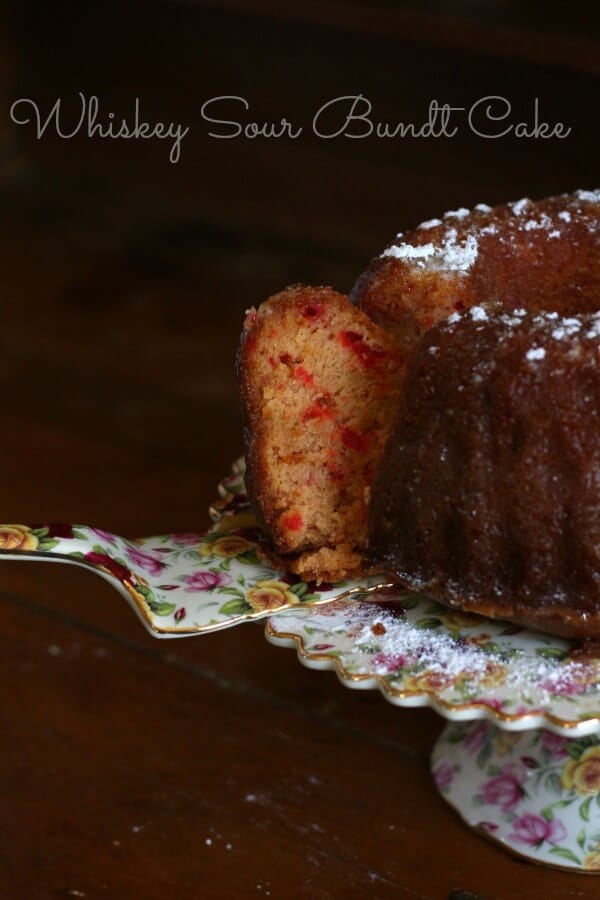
[(184, 584)]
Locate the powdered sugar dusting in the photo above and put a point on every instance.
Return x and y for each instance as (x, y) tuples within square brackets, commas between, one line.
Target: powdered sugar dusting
[(594, 327), (416, 646), (459, 256), (534, 224), (551, 324), (452, 254), (542, 330), (444, 655), (589, 196), (454, 246), (535, 353), (566, 327), (520, 205), (438, 652), (409, 251), (457, 213)]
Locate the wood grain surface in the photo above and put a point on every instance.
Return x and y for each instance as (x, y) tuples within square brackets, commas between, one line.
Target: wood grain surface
[(218, 767)]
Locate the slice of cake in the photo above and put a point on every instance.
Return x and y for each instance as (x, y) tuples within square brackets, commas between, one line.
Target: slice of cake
[(320, 386)]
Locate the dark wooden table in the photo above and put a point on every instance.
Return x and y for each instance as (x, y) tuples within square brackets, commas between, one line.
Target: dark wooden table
[(218, 767)]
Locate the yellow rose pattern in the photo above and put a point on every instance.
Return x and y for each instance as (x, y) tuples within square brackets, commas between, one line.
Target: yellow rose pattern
[(29, 538), (17, 537), (267, 595), (583, 774), (230, 546), (592, 860)]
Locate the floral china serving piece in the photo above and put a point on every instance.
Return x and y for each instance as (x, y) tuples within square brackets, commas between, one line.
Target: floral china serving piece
[(418, 653), (183, 584), (534, 792), (520, 760)]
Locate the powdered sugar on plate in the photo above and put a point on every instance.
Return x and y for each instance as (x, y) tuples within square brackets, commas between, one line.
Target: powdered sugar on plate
[(410, 646), (445, 656)]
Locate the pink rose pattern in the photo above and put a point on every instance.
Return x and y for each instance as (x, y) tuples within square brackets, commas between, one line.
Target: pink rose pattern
[(206, 581), (564, 686), (555, 744), (443, 775), (386, 663), (104, 535), (519, 790), (186, 539), (506, 790), (149, 562), (534, 830), (475, 739)]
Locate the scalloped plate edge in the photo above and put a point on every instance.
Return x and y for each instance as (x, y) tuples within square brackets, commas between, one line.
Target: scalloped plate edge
[(451, 711)]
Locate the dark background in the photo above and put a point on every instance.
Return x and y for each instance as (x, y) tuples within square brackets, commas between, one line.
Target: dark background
[(123, 282), (125, 250)]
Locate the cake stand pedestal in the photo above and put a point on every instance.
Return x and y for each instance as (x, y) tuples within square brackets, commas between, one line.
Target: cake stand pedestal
[(535, 793)]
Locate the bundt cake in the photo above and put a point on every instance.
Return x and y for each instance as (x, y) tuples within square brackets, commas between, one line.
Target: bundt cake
[(488, 496), (320, 385), (463, 384), (541, 255)]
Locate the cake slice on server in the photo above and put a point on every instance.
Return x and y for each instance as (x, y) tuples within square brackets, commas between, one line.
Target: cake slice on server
[(320, 385)]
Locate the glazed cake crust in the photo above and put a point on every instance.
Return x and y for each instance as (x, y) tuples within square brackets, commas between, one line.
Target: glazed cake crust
[(488, 497), (542, 255)]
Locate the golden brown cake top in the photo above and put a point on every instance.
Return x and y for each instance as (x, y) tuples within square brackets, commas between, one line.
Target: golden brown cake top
[(453, 244)]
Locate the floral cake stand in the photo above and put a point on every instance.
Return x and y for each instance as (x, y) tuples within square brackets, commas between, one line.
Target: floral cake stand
[(520, 757)]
